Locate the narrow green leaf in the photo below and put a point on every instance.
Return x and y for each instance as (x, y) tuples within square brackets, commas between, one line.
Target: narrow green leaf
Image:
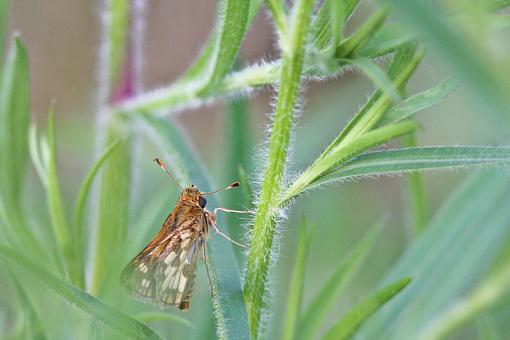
[(397, 161), (263, 226), (14, 128), (347, 326), (418, 102), (488, 85), (322, 24), (487, 294), (113, 204), (207, 65), (146, 317), (433, 259), (62, 229), (33, 324), (81, 201), (403, 65), (378, 77), (318, 310), (320, 171), (296, 283), (358, 39), (246, 185), (101, 312), (278, 12), (387, 39), (228, 302), (416, 189), (221, 50), (14, 124)]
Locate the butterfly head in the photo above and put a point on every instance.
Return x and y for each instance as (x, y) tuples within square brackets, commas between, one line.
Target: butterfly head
[(194, 196)]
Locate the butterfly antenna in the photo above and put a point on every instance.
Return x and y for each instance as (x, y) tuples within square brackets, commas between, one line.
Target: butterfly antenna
[(163, 166), (233, 185)]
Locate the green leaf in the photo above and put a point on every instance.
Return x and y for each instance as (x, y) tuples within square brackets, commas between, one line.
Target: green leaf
[(246, 186), (347, 326), (397, 161), (14, 127), (33, 324), (219, 54), (278, 12), (488, 85), (146, 317), (114, 196), (232, 20), (264, 227), (403, 65), (319, 172), (358, 39), (378, 77), (387, 39), (81, 201), (99, 311), (487, 294), (61, 228), (433, 259), (296, 283), (418, 102), (318, 310), (14, 124), (322, 24), (228, 302)]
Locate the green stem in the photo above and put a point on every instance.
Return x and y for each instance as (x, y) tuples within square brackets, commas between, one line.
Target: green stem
[(277, 9), (344, 152), (264, 226), (417, 194)]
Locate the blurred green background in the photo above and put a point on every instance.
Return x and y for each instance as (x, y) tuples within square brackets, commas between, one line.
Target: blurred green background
[(62, 39)]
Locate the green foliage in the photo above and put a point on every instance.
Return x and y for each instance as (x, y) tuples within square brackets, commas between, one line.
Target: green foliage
[(263, 225), (316, 313), (296, 283), (476, 71), (347, 326), (450, 282), (87, 303), (433, 259)]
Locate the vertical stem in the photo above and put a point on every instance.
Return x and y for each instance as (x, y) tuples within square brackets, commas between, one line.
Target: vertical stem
[(416, 188), (119, 80), (264, 225)]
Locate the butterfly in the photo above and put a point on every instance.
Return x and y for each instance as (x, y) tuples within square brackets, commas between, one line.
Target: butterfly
[(164, 272)]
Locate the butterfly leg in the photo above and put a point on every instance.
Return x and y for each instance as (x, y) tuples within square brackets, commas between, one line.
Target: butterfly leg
[(215, 212), (206, 261), (212, 221)]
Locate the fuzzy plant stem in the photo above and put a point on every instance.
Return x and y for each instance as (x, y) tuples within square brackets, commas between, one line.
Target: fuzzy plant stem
[(264, 224)]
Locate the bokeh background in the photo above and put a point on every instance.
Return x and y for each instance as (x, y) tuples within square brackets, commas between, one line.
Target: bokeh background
[(62, 38)]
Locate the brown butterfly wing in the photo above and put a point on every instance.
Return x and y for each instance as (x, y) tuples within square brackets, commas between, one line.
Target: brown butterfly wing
[(164, 272)]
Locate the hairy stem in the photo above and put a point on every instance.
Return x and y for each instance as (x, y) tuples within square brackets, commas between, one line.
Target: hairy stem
[(264, 226)]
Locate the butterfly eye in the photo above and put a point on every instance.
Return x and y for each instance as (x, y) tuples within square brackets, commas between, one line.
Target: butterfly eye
[(202, 202)]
